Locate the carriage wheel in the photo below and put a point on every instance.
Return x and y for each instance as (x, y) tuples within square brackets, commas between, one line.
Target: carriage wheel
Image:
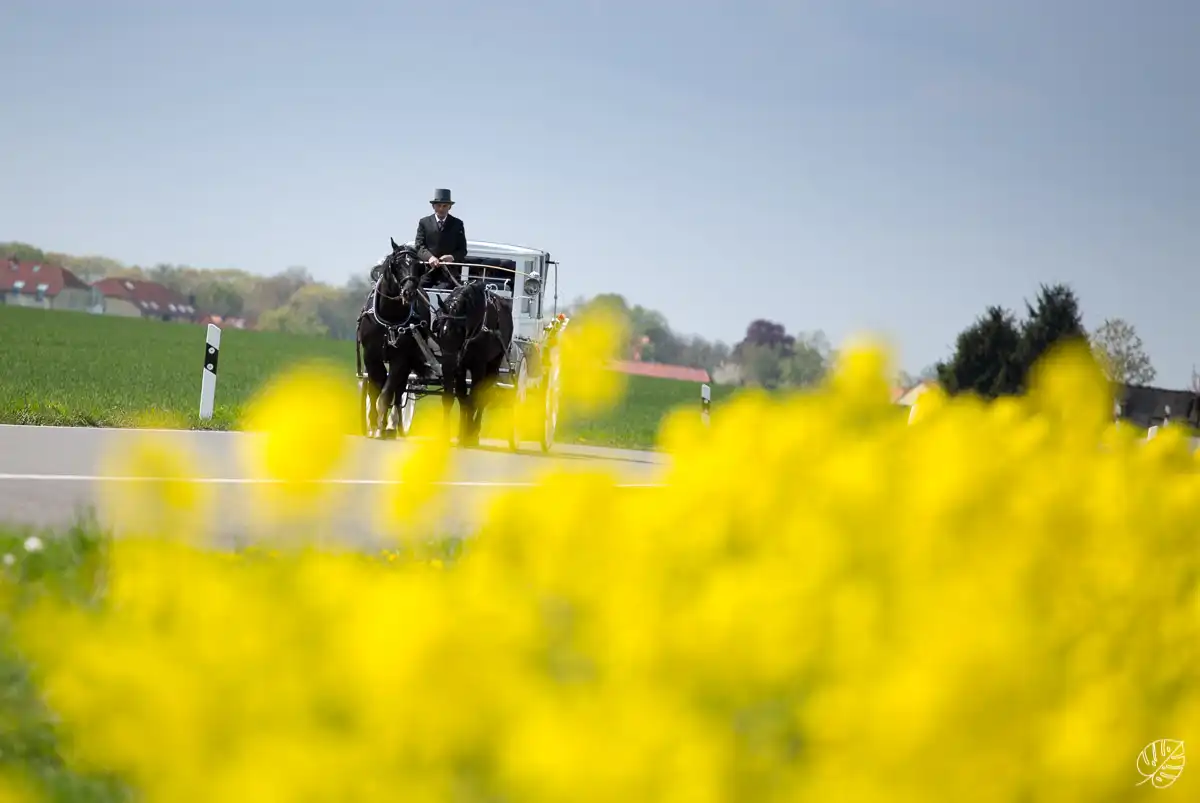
[(364, 408), (550, 398), (400, 417), (519, 394), (407, 408)]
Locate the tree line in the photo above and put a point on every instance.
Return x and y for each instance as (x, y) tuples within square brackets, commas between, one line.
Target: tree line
[(766, 356), (994, 355), (991, 357), (293, 301)]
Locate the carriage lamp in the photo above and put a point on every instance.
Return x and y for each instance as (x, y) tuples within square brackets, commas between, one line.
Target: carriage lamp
[(533, 283)]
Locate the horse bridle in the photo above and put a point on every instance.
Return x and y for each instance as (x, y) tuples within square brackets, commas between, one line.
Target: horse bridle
[(402, 281), (393, 329)]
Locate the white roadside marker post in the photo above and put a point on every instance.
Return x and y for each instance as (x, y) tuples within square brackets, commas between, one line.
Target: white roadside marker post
[(208, 378), (705, 403)]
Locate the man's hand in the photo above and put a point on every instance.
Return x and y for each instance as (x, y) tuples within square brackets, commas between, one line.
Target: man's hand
[(434, 261)]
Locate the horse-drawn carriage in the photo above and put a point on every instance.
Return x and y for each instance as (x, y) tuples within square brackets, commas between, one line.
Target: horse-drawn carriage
[(528, 375)]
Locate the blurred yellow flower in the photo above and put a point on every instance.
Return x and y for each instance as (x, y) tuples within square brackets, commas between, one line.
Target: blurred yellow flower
[(407, 504), (16, 789), (153, 489), (300, 424), (586, 350), (999, 602)]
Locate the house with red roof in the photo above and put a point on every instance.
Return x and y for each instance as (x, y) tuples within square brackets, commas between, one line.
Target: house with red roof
[(228, 321), (908, 397), (660, 370), (37, 284), (140, 298)]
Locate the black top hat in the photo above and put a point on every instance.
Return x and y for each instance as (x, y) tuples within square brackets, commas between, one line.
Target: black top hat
[(441, 197)]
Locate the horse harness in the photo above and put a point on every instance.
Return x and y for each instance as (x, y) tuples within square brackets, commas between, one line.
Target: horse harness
[(392, 329), (489, 303)]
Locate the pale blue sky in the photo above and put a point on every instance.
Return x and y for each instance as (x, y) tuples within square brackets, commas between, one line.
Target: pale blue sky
[(857, 165)]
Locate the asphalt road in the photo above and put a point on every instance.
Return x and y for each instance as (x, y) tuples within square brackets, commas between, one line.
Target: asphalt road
[(48, 475)]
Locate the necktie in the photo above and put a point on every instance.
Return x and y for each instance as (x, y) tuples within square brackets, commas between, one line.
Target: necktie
[(440, 223)]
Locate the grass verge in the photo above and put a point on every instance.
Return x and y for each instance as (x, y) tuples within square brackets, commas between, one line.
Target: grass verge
[(71, 564), (77, 369), (68, 563)]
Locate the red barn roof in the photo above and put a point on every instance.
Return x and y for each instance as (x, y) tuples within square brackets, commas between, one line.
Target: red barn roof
[(28, 276), (661, 371), (229, 321), (151, 297)]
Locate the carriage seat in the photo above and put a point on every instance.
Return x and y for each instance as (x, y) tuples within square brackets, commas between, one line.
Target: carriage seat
[(500, 280)]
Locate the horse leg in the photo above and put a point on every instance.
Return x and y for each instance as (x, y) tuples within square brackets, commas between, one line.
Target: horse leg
[(477, 399), (377, 375), (449, 391), (485, 390), (387, 398), (398, 377), (466, 407)]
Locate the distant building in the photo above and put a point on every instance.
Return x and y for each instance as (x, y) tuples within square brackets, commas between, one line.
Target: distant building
[(136, 298), (728, 373), (228, 322), (661, 371), (907, 397), (37, 284), (1148, 406), (1142, 405)]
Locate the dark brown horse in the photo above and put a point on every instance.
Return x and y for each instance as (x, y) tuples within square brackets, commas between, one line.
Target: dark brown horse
[(474, 330), (396, 312)]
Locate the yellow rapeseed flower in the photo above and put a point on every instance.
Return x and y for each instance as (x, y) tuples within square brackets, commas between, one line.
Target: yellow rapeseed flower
[(583, 365), (152, 489), (300, 424), (998, 602), (406, 505), (16, 788)]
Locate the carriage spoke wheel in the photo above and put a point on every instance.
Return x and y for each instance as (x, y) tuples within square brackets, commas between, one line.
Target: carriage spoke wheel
[(364, 409), (550, 397), (399, 419), (407, 403), (520, 394)]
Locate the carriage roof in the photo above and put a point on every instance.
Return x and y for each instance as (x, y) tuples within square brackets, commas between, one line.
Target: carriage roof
[(486, 248), (527, 314)]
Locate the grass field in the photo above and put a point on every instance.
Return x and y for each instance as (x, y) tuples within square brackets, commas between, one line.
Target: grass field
[(76, 369)]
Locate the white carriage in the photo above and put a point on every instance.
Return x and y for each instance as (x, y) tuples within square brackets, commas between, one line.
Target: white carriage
[(530, 379)]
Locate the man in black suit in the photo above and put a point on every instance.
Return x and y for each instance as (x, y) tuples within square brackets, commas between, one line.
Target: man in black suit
[(441, 237)]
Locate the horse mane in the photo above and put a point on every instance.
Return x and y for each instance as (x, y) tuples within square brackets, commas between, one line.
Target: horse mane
[(460, 298)]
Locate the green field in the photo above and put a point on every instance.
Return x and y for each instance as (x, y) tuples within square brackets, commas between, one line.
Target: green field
[(68, 368)]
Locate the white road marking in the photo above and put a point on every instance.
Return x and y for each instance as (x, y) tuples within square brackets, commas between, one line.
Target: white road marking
[(564, 449), (89, 428), (269, 481)]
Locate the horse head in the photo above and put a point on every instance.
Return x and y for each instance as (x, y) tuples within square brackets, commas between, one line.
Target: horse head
[(398, 277)]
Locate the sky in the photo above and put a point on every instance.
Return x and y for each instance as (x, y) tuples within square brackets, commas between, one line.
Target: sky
[(854, 166)]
